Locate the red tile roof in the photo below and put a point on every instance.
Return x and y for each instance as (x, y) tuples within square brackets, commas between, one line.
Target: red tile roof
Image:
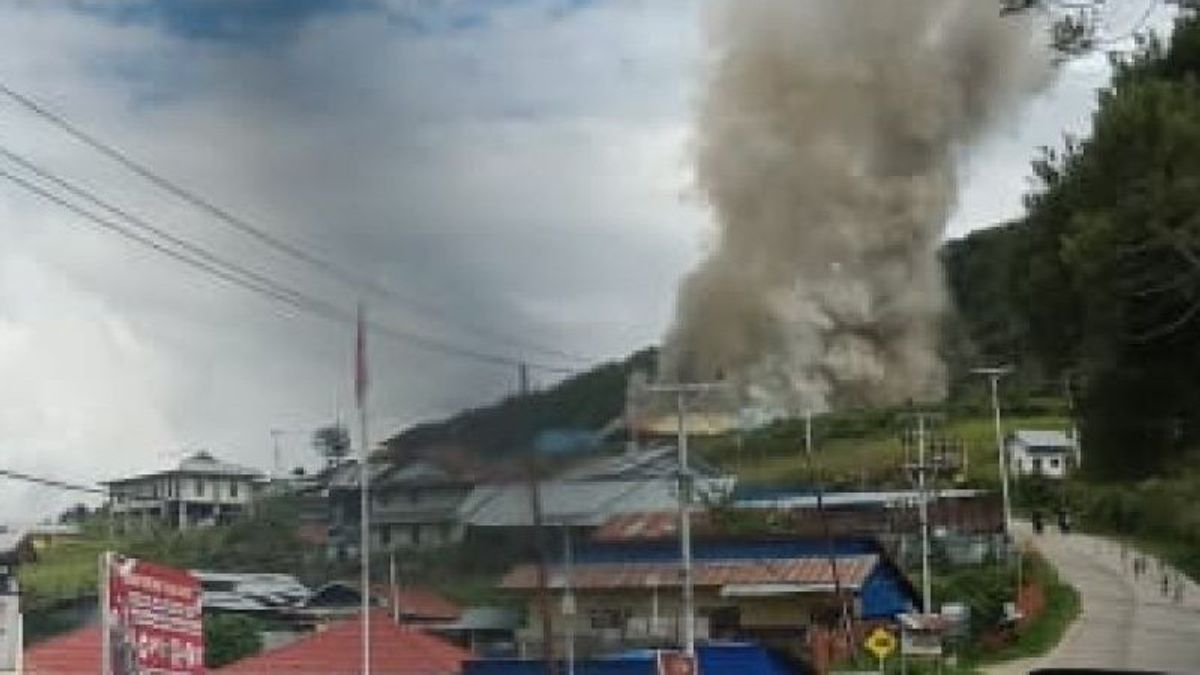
[(851, 571), (337, 650), (73, 653), (419, 603)]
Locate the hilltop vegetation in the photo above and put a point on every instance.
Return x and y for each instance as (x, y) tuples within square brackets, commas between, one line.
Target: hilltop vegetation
[(586, 401)]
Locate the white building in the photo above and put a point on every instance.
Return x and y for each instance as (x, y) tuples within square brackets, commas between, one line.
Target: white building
[(201, 490), (1049, 454)]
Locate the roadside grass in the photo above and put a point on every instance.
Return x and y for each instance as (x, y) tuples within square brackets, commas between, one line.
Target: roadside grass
[(1045, 631), (63, 571)]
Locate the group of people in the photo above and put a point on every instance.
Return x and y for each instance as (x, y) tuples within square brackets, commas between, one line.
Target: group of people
[(1064, 521), (1170, 582)]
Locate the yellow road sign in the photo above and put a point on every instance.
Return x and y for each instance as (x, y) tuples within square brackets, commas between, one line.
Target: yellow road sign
[(881, 643)]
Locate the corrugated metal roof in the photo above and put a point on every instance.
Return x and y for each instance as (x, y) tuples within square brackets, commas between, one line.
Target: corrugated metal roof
[(886, 498), (395, 650), (852, 571), (201, 463), (418, 603), (250, 592), (588, 502), (1044, 439), (979, 512), (485, 618), (652, 462), (347, 474), (645, 525)]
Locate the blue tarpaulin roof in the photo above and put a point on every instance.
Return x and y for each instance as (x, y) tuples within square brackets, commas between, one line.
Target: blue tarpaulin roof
[(715, 659)]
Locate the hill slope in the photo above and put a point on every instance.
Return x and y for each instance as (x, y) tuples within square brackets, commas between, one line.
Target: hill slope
[(586, 401)]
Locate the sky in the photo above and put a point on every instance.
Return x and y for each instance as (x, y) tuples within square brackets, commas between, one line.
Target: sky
[(518, 171)]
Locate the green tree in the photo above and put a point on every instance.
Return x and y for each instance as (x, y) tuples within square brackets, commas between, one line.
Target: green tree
[(1112, 244), (229, 638), (332, 442)]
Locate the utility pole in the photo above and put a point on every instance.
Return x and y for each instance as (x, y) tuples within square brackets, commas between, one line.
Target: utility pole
[(275, 434), (539, 540), (919, 473), (364, 546), (926, 592), (394, 587), (808, 439), (680, 391), (1070, 394), (568, 600), (994, 375)]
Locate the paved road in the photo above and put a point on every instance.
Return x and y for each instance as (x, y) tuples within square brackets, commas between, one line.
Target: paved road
[(1126, 621)]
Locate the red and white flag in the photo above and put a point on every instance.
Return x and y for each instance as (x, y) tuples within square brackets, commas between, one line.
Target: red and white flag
[(360, 359)]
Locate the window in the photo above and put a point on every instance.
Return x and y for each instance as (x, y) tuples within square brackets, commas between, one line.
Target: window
[(607, 618), (415, 535), (233, 488), (414, 497), (385, 536), (1053, 462), (1037, 464), (199, 487)]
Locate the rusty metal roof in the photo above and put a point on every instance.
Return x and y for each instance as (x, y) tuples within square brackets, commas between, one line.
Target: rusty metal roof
[(852, 571)]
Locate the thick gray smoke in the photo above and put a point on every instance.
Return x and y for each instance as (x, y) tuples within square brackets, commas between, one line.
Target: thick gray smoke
[(826, 147)]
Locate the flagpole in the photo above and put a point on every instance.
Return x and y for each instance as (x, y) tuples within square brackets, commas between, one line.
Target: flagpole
[(360, 390), (105, 628), (366, 542)]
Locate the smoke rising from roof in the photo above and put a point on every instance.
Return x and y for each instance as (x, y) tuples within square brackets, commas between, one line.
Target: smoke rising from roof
[(826, 147)]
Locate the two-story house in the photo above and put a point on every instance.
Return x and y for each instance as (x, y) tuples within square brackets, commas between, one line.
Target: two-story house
[(201, 490), (416, 506)]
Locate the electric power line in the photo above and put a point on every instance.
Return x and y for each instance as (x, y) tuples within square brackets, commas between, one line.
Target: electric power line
[(1135, 27), (330, 268), (50, 482), (252, 281)]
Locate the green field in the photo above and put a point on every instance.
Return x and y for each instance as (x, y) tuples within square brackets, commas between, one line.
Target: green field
[(872, 459)]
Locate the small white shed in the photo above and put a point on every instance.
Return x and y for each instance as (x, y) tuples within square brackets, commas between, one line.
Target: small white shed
[(1045, 453)]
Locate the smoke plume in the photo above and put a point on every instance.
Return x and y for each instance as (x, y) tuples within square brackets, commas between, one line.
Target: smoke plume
[(826, 147)]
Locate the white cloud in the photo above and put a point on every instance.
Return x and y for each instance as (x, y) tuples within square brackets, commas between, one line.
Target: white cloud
[(528, 171)]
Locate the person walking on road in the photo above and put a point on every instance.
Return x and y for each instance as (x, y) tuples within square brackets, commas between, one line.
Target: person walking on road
[(1064, 520)]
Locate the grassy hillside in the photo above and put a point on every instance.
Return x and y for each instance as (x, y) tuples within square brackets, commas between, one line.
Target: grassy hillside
[(857, 457)]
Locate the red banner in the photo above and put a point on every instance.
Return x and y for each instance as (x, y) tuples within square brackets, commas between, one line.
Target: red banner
[(153, 620)]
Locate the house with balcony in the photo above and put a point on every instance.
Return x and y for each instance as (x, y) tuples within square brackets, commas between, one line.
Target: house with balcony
[(199, 491)]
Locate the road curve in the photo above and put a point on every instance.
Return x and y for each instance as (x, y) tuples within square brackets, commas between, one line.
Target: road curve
[(1126, 621)]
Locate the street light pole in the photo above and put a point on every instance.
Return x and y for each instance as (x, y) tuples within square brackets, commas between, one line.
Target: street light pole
[(994, 375), (926, 588)]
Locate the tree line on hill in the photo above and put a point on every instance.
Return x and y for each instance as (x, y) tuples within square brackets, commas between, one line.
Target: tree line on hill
[(1099, 284)]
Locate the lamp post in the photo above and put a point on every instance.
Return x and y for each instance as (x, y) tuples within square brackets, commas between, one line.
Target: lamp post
[(994, 374)]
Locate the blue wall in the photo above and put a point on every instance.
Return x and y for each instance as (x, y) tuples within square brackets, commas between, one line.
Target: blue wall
[(885, 593), (715, 659)]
